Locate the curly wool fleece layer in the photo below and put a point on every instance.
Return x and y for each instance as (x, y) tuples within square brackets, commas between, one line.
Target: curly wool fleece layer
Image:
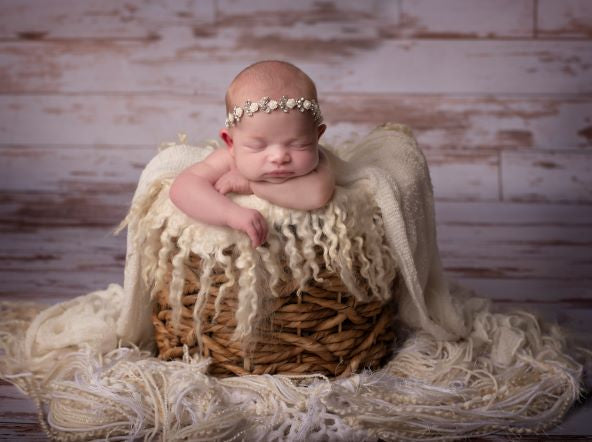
[(352, 248)]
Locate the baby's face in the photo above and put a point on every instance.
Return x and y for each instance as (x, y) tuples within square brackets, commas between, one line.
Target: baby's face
[(275, 147)]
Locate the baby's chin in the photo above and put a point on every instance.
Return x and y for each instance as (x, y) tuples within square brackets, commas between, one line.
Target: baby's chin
[(277, 180), (280, 179)]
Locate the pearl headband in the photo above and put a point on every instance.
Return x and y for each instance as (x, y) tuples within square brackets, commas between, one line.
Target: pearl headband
[(267, 105)]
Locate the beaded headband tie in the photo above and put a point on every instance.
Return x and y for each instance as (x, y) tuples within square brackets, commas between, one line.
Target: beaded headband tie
[(268, 105)]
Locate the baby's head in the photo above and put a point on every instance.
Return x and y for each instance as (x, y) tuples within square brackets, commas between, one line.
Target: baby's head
[(274, 122)]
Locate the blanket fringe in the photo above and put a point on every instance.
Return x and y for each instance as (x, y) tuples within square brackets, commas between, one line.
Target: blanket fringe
[(429, 391)]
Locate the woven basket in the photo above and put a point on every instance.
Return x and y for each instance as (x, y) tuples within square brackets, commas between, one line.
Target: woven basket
[(322, 330)]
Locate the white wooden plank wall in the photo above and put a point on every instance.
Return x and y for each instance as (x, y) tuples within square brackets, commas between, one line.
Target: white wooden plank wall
[(498, 92)]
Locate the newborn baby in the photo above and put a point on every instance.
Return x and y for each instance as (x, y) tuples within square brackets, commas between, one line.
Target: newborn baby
[(271, 136)]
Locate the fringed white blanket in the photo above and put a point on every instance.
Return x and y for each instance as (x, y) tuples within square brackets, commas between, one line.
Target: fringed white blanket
[(463, 370)]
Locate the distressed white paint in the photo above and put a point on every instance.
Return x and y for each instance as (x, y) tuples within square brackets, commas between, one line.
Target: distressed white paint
[(565, 18), (467, 18), (184, 64), (450, 121), (99, 19), (547, 176)]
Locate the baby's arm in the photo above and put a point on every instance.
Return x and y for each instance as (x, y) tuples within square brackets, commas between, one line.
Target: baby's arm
[(193, 192), (307, 192)]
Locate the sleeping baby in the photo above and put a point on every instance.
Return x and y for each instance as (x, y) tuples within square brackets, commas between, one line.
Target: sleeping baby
[(272, 131)]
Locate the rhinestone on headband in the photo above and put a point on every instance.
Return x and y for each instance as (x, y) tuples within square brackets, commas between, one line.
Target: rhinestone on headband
[(267, 105)]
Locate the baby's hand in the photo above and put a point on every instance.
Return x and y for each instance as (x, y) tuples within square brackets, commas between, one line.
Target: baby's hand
[(234, 182), (251, 222)]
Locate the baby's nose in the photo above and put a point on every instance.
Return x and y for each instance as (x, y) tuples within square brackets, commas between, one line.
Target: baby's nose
[(280, 154)]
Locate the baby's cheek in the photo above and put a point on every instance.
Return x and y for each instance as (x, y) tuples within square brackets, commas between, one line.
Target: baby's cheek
[(313, 159), (245, 169)]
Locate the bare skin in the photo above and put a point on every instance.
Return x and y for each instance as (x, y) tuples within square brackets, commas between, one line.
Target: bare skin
[(301, 183), (274, 156)]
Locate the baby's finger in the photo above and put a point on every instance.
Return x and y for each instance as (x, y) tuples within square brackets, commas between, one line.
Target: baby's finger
[(253, 235), (264, 233), (256, 232), (222, 187), (261, 229)]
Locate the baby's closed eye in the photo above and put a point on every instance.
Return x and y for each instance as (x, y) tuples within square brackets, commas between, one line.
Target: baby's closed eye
[(301, 145), (255, 146)]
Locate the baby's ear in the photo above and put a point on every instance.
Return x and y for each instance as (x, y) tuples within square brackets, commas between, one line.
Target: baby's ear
[(227, 138), (321, 130)]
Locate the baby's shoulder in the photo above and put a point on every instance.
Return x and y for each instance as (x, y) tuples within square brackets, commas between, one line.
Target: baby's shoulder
[(219, 161), (219, 158), (220, 154)]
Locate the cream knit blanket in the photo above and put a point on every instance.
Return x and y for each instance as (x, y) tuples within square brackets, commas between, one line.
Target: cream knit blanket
[(460, 363)]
